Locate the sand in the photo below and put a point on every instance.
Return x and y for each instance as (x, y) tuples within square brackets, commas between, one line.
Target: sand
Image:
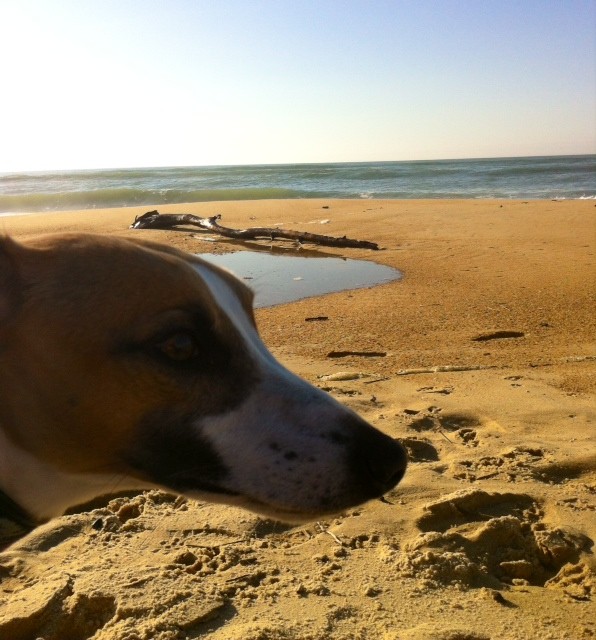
[(491, 533)]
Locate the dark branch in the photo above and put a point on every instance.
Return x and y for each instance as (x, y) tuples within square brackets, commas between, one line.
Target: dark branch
[(155, 220)]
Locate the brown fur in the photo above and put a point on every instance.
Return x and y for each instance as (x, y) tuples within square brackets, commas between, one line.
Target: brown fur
[(43, 403)]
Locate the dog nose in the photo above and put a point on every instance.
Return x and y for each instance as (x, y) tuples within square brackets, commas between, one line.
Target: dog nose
[(381, 461), (387, 464)]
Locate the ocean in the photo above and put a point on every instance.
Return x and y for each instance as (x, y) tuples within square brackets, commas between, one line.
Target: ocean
[(556, 177)]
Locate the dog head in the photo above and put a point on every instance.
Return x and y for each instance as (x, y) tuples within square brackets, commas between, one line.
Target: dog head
[(128, 364)]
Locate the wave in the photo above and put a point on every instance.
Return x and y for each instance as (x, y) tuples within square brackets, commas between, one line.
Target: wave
[(123, 197), (526, 178), (126, 197)]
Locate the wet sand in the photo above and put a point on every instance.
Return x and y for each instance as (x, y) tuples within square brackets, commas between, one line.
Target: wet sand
[(485, 367)]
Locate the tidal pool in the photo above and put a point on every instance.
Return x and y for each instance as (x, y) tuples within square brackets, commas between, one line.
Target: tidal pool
[(276, 278)]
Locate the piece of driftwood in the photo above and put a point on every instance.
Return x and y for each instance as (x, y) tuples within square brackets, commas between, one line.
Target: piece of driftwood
[(481, 367), (448, 368), (156, 220), (360, 354), (498, 335)]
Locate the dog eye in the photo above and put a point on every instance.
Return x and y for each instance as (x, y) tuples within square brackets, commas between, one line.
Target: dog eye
[(180, 347)]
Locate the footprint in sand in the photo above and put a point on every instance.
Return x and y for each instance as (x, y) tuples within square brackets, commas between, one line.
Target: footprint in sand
[(451, 422), (420, 450), (462, 426), (561, 471), (474, 538), (473, 505), (524, 463), (53, 606)]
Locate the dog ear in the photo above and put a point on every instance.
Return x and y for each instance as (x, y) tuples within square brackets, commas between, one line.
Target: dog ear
[(9, 278)]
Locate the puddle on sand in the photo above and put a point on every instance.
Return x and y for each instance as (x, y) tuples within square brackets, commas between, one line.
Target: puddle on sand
[(276, 279)]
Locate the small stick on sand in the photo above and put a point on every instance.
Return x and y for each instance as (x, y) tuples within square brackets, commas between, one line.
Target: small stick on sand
[(322, 529)]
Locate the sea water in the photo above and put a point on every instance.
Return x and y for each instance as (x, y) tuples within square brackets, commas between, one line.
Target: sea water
[(525, 178)]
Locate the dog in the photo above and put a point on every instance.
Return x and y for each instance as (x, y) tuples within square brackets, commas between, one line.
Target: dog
[(126, 364)]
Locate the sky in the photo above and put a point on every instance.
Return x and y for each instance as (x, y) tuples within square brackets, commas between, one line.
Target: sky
[(137, 83)]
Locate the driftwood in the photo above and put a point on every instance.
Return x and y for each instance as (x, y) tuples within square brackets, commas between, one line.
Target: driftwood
[(448, 368), (155, 220)]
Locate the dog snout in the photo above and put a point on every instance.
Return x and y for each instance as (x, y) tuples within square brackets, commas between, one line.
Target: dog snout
[(378, 460)]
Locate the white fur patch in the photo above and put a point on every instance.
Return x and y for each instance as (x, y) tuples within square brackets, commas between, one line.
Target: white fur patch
[(230, 305), (276, 444)]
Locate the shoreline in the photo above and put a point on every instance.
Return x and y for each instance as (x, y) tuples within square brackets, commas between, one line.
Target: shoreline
[(493, 525), (248, 202)]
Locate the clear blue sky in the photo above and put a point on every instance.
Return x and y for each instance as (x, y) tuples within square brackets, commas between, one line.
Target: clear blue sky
[(121, 83)]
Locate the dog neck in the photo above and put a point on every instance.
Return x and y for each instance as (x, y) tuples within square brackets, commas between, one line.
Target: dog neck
[(41, 491), (15, 522), (13, 512)]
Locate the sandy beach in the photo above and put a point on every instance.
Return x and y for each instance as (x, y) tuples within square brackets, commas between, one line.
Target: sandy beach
[(485, 369)]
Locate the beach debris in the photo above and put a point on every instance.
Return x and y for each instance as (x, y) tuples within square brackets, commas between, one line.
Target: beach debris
[(498, 335), (316, 319), (445, 369), (342, 376), (155, 220), (448, 368), (203, 238), (442, 390), (383, 378), (359, 354), (321, 528), (570, 359), (565, 360)]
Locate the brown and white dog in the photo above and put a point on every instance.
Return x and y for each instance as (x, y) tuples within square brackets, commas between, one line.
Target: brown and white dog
[(128, 365)]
